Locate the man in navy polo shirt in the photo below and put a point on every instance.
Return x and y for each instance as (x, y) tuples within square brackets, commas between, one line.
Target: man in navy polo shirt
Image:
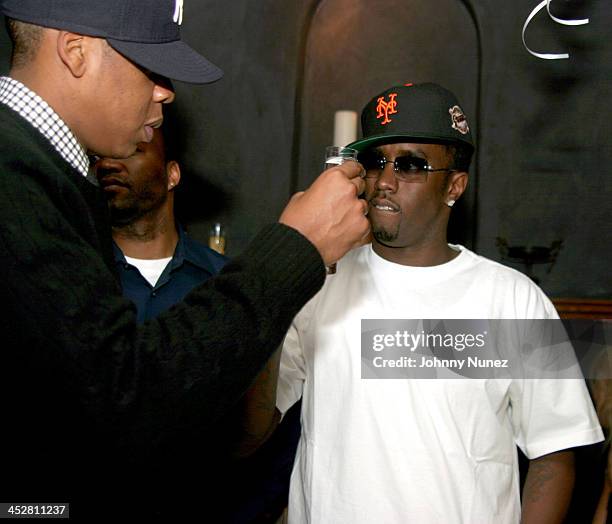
[(157, 262)]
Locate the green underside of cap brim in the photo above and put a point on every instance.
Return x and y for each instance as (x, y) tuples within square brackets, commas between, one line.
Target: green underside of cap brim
[(373, 141)]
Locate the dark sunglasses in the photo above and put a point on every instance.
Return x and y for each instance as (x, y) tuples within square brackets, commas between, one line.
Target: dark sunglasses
[(407, 168)]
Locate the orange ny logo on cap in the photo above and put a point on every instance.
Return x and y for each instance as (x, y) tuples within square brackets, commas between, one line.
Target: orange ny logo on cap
[(386, 108)]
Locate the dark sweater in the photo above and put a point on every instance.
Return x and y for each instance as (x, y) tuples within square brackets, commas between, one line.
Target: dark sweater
[(88, 396)]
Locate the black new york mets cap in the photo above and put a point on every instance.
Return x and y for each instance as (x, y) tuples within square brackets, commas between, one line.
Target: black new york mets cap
[(416, 112), (145, 31)]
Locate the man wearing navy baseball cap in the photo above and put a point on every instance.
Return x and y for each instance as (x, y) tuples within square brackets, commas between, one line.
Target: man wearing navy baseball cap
[(72, 53), (91, 400), (409, 450)]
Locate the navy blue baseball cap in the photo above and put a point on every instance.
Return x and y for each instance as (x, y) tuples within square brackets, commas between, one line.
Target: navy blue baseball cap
[(418, 112), (147, 32)]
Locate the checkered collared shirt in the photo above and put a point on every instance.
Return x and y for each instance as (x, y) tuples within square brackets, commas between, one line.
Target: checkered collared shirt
[(38, 113)]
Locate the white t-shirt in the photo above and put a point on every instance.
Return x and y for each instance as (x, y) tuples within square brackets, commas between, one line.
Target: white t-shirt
[(423, 451), (150, 268)]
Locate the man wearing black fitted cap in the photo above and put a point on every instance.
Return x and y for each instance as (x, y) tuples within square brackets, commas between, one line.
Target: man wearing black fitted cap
[(92, 400), (412, 450)]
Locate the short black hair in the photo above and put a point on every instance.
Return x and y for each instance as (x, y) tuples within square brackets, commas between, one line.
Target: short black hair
[(462, 156), (26, 40)]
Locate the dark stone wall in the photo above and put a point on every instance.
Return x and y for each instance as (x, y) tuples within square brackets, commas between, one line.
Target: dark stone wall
[(545, 143), (543, 127)]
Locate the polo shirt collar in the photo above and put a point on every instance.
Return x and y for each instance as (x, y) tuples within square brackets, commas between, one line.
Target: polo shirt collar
[(184, 251)]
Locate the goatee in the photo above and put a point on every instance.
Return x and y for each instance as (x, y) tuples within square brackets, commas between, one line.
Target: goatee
[(383, 236)]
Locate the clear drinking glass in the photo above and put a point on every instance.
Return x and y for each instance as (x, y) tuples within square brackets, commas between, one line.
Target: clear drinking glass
[(334, 156)]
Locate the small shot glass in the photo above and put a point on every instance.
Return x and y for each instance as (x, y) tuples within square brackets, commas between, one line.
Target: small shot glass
[(334, 156)]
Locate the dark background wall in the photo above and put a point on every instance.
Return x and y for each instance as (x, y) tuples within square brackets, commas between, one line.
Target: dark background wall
[(542, 173)]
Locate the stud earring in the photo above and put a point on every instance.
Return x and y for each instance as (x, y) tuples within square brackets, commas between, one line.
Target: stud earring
[(450, 203)]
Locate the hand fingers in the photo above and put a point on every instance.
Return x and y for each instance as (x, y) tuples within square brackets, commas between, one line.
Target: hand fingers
[(364, 205), (366, 238), (356, 179), (359, 185), (352, 169), (353, 172)]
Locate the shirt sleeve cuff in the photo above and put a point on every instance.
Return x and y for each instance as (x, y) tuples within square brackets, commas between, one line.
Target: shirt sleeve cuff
[(569, 440)]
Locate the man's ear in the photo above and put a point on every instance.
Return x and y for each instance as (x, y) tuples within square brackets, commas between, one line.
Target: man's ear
[(456, 185), (174, 174), (74, 50)]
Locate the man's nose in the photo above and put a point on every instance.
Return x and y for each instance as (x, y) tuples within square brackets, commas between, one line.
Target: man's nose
[(163, 93), (387, 179), (106, 166)]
